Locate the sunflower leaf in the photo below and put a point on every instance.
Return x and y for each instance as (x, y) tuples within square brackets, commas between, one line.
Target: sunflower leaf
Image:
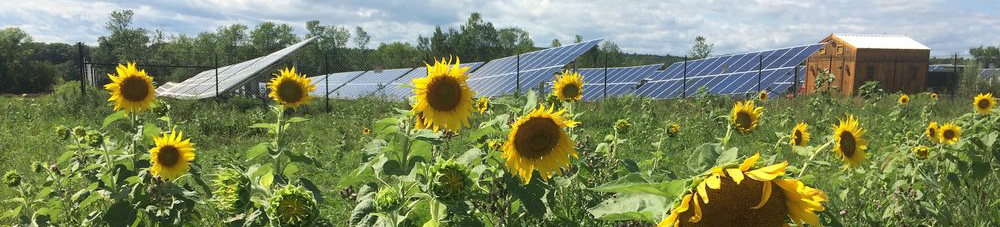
[(641, 207), (112, 118), (257, 150), (634, 183)]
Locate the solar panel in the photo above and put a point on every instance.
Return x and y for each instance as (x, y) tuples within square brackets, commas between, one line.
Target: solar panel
[(499, 77), (207, 83), (397, 90), (989, 73), (336, 80), (620, 80), (730, 74), (368, 83)]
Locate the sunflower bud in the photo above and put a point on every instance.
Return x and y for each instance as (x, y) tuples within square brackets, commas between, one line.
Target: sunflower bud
[(232, 191), (451, 181), (495, 144), (622, 125), (37, 167), (12, 179), (293, 206), (387, 199), (95, 139), (62, 132), (79, 131)]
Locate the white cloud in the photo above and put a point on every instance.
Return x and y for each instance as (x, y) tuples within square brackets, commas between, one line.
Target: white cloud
[(637, 26)]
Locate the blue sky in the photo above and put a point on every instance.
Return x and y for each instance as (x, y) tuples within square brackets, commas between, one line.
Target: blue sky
[(656, 27)]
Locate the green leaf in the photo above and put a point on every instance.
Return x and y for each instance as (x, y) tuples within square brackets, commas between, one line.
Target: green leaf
[(471, 156), (257, 150), (532, 101), (297, 120), (267, 179), (112, 118), (120, 214), (9, 214), (726, 157), (530, 195), (291, 169), (979, 170), (634, 183), (480, 133), (704, 157), (94, 196), (317, 194), (641, 207), (65, 156)]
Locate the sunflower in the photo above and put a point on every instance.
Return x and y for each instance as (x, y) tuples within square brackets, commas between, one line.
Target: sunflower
[(290, 89), (949, 133), (849, 145), (293, 206), (675, 128), (366, 131), (903, 99), (746, 195), (419, 122), (569, 86), (483, 104), (932, 132), (745, 116), (131, 90), (762, 96), (800, 135), (934, 96), (984, 103), (921, 152), (444, 97), (171, 157), (537, 142)]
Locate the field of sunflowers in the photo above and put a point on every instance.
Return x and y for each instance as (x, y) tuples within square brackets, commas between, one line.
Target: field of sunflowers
[(121, 157)]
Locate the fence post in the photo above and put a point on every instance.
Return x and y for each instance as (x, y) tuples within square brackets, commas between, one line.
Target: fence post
[(606, 76), (760, 69), (954, 69), (518, 85), (684, 78), (83, 76), (326, 81), (216, 60), (795, 83)]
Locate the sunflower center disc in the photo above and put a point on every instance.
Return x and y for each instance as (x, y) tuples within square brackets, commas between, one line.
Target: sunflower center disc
[(731, 204), (444, 93), (571, 91), (134, 89), (847, 144), (289, 91), (983, 104), (168, 156), (536, 137), (293, 208), (798, 137), (743, 120), (949, 134)]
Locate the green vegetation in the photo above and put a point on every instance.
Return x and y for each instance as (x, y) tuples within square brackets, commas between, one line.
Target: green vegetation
[(954, 187)]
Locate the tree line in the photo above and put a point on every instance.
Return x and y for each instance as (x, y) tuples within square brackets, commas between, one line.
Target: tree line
[(30, 67)]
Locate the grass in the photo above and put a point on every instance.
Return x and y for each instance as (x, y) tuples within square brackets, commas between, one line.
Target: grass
[(219, 128)]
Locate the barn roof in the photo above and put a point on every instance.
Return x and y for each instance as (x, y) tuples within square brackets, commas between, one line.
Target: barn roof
[(874, 41)]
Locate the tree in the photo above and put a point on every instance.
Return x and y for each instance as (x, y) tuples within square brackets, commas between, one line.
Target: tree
[(514, 41), (125, 43), (578, 39), (986, 56), (19, 73), (269, 37), (701, 48), (555, 43), (361, 37)]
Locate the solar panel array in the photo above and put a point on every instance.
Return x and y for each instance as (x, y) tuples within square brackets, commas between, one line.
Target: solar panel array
[(336, 80), (208, 84), (368, 83), (397, 90), (989, 73), (500, 76), (620, 80), (730, 74)]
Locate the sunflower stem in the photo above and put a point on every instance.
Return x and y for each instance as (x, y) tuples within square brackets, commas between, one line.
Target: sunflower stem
[(813, 156), (277, 140)]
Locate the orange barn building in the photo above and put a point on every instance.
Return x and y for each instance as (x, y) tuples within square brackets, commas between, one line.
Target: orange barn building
[(897, 62)]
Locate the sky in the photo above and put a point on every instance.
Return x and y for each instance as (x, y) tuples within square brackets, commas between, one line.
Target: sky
[(649, 27)]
